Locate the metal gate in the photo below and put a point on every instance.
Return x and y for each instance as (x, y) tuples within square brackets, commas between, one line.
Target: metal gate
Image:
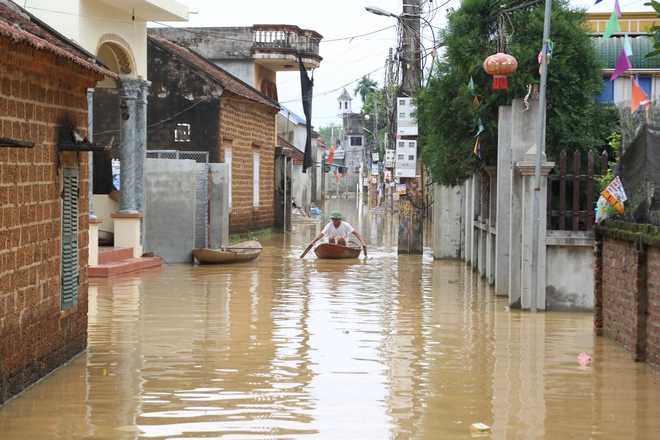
[(202, 188)]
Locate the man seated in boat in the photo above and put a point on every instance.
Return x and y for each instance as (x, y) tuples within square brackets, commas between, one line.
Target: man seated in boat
[(338, 230)]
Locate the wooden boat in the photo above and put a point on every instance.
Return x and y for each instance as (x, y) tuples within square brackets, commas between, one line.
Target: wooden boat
[(336, 251), (244, 251)]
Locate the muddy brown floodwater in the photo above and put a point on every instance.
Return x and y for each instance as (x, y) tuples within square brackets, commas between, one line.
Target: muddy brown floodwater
[(387, 347)]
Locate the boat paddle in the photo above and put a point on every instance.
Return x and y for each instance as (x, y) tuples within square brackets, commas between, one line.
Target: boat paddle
[(307, 250), (365, 250)]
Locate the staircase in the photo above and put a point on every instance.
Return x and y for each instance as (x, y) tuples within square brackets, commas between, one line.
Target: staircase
[(115, 261)]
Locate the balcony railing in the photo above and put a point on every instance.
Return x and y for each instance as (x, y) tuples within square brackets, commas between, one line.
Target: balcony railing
[(286, 37)]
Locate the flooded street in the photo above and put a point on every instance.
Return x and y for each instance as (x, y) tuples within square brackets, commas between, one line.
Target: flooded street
[(384, 347)]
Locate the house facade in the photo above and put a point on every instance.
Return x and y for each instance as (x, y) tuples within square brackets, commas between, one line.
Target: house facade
[(255, 55), (632, 24), (197, 106), (44, 198), (115, 32)]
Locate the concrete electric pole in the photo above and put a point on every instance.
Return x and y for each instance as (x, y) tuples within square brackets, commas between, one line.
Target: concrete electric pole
[(411, 204)]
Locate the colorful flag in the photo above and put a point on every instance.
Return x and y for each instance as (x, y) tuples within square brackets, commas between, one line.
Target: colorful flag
[(622, 65), (612, 27), (617, 9), (598, 1), (481, 128), (627, 46), (331, 155), (639, 98), (471, 85), (477, 147), (475, 101)]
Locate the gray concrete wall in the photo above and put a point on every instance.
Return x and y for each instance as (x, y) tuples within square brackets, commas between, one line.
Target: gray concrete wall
[(171, 206), (447, 222), (569, 271), (219, 205)]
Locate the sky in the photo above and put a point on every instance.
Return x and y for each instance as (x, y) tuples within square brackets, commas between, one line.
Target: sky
[(355, 42)]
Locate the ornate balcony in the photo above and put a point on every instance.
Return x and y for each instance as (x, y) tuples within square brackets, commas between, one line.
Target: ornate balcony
[(277, 46)]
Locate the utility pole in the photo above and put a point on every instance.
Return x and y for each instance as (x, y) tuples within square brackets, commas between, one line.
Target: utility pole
[(411, 218)]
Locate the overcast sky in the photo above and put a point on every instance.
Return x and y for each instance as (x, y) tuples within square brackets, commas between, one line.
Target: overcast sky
[(355, 42)]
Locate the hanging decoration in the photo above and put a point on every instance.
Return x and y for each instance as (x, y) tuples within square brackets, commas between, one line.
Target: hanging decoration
[(500, 65)]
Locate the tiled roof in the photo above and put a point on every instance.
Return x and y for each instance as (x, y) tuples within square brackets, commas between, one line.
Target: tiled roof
[(227, 80), (21, 27), (297, 155), (610, 51)]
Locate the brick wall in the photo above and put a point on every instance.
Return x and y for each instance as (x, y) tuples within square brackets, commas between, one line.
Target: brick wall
[(249, 130), (36, 91), (627, 287), (653, 287)]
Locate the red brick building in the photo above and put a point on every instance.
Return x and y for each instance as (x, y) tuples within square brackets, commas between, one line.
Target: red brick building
[(44, 203), (196, 106)]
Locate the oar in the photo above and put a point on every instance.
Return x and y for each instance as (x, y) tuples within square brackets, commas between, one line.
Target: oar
[(307, 250), (365, 250)]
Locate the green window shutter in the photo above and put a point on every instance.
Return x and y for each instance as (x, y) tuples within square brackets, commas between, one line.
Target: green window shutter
[(69, 239)]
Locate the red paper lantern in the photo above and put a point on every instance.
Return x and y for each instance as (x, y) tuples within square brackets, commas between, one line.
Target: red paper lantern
[(500, 65)]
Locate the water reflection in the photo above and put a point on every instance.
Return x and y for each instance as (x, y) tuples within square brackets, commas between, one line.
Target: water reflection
[(385, 347)]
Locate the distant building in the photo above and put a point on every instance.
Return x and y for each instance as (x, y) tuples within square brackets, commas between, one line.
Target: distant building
[(344, 103), (634, 25)]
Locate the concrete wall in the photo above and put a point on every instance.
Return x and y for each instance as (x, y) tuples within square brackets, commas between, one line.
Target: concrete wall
[(228, 47), (219, 205), (447, 222), (569, 265), (497, 244), (170, 230)]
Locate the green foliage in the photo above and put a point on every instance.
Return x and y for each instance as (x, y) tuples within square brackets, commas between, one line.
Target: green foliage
[(448, 117), (654, 33)]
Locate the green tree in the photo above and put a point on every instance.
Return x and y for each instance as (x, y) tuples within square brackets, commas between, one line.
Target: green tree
[(448, 116), (365, 87)]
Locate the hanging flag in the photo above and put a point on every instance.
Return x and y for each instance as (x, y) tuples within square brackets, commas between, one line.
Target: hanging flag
[(598, 1), (639, 98), (627, 46), (481, 128), (622, 65), (471, 85), (612, 27), (477, 147), (307, 87), (475, 101), (331, 155), (617, 9)]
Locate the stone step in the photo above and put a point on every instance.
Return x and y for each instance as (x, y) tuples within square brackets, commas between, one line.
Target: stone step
[(108, 254), (129, 265)]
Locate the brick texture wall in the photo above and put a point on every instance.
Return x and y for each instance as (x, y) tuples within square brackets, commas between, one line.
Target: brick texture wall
[(620, 308), (249, 130), (653, 324), (627, 287), (36, 92)]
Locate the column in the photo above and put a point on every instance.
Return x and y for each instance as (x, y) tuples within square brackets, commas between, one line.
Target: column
[(130, 88), (141, 152), (527, 169)]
